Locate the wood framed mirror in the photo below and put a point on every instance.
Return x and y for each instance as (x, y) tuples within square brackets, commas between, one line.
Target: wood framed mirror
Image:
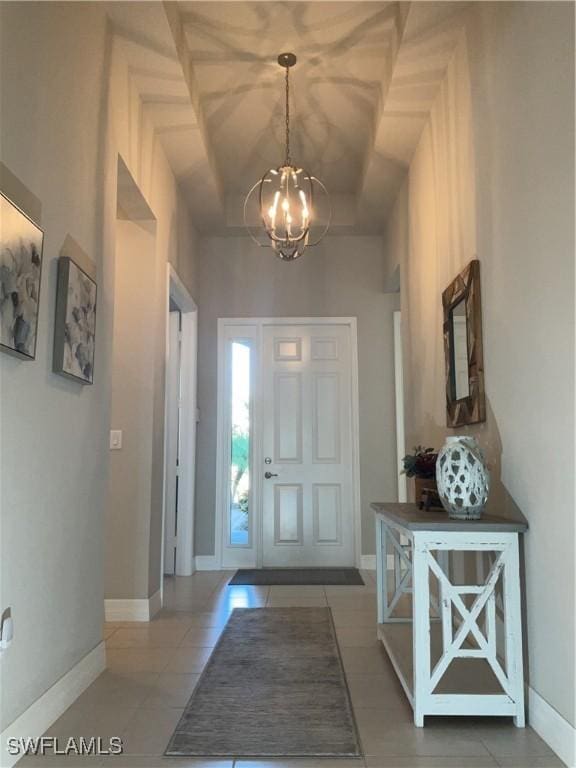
[(463, 353)]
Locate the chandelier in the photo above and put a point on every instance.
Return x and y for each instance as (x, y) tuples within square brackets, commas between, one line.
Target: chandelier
[(287, 199)]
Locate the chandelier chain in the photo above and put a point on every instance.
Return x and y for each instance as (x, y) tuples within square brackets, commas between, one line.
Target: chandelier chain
[(287, 162)]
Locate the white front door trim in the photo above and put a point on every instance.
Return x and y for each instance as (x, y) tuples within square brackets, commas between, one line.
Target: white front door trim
[(225, 327)]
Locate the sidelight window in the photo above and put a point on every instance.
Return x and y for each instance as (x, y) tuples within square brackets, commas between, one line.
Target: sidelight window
[(240, 444)]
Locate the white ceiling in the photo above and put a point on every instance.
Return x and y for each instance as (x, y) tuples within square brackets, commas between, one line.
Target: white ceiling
[(342, 50), (366, 77)]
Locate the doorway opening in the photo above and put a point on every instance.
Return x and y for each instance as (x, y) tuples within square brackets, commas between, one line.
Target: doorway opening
[(172, 456), (180, 407)]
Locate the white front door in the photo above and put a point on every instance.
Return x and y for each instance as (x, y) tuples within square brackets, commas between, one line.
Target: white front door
[(307, 453)]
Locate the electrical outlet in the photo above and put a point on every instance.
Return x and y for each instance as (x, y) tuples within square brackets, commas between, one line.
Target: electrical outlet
[(115, 439)]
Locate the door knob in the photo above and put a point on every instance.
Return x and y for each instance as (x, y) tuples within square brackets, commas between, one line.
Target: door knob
[(268, 475)]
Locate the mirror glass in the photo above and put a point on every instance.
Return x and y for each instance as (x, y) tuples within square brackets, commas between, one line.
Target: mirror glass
[(459, 351)]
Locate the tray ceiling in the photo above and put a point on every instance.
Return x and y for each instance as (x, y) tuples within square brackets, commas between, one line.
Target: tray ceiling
[(366, 77)]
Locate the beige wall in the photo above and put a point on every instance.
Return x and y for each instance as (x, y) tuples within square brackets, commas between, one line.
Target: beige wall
[(493, 178), (128, 521), (61, 131), (53, 431), (344, 276), (135, 498), (396, 241)]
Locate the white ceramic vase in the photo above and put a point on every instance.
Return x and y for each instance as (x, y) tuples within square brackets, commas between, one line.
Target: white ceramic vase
[(462, 477)]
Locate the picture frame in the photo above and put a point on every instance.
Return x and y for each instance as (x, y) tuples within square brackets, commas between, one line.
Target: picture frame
[(75, 323), (21, 257), (463, 348)]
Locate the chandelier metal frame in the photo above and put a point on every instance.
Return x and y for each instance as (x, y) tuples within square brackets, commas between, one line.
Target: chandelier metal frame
[(287, 247)]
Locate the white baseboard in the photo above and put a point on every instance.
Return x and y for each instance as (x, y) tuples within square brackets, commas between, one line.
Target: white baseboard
[(133, 610), (368, 562), (552, 727), (155, 603), (48, 708)]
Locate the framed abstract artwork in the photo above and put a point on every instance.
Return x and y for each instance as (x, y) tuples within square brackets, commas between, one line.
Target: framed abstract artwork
[(75, 327), (21, 244)]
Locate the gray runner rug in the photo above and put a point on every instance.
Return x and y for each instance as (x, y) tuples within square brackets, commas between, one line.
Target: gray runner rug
[(274, 686), (297, 576)]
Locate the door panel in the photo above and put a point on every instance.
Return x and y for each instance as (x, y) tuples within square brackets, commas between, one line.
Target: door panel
[(288, 349), (324, 348), (288, 514), (327, 513), (326, 425), (288, 418), (308, 514)]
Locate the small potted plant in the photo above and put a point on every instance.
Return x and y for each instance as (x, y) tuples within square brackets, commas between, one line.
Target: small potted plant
[(421, 465)]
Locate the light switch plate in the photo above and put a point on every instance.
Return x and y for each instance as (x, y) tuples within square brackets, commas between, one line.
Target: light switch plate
[(6, 632), (115, 439)]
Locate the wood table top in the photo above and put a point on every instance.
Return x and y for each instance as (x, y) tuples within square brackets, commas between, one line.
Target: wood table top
[(414, 519)]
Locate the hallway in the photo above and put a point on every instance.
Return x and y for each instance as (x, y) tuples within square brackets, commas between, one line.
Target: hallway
[(291, 285), (152, 671)]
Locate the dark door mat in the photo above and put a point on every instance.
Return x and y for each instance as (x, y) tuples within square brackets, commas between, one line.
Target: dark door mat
[(274, 686), (297, 577)]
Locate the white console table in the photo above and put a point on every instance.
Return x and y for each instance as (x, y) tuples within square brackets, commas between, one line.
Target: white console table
[(451, 621)]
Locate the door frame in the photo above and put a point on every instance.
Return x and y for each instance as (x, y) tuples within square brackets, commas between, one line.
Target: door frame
[(399, 398), (177, 291), (225, 325), (171, 438)]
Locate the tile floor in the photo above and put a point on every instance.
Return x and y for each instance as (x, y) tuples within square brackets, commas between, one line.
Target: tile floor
[(153, 668)]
